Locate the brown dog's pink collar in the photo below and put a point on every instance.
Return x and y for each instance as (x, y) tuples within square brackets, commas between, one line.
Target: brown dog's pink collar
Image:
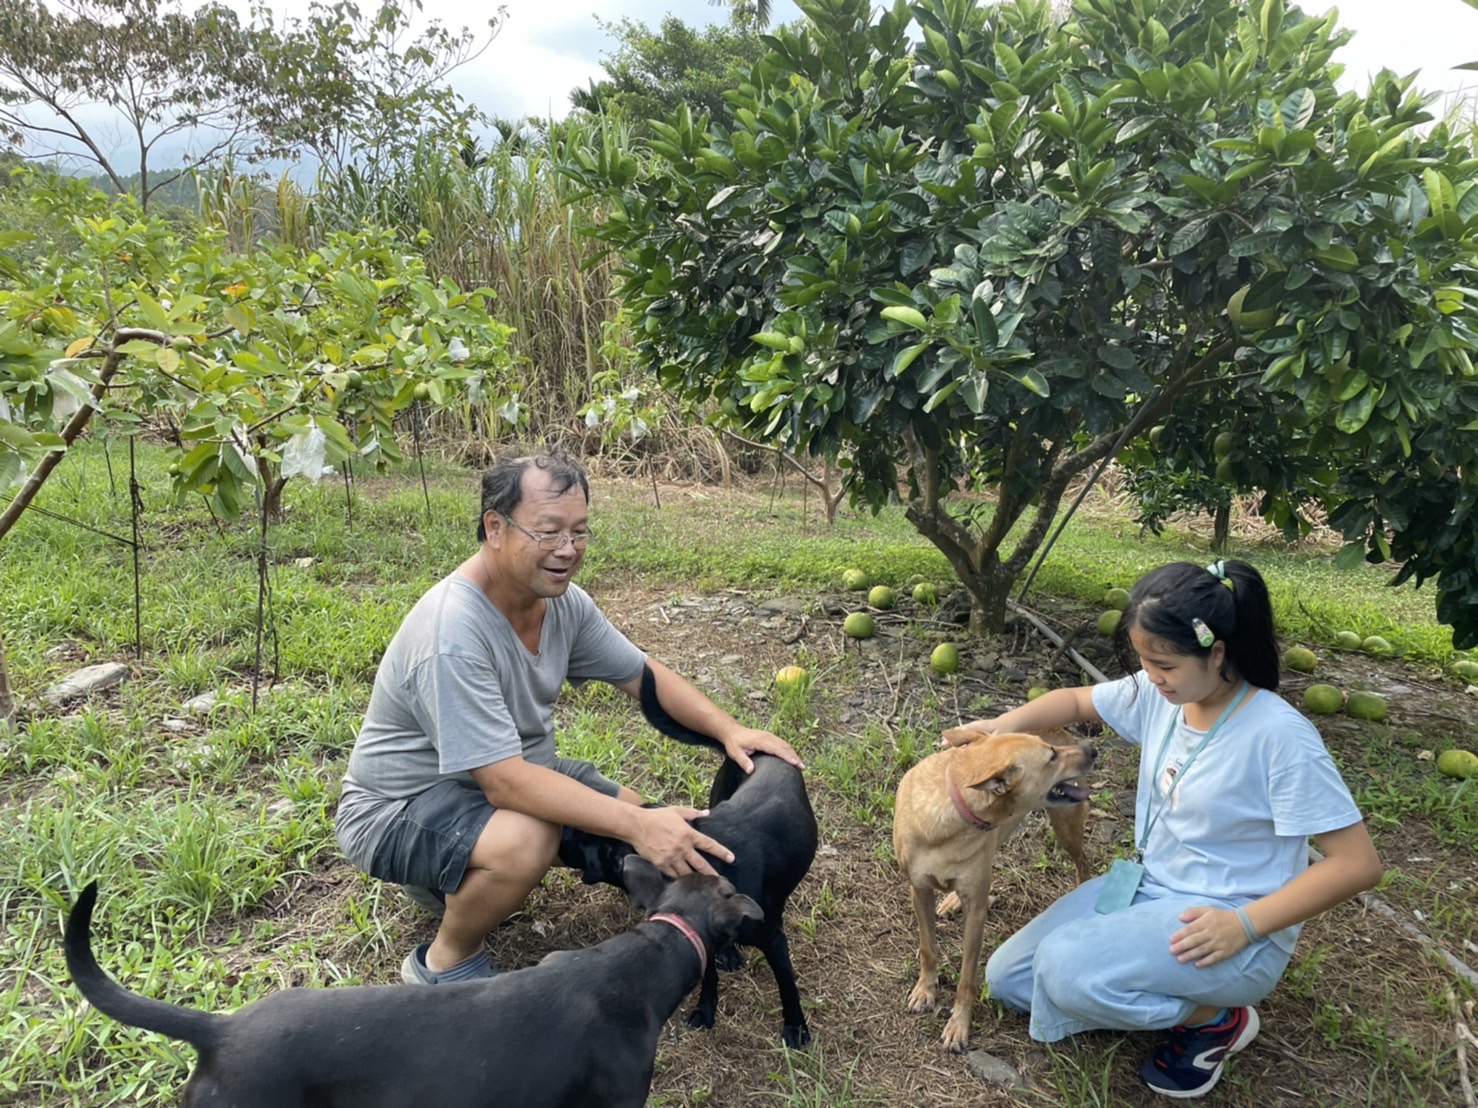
[(686, 929), (960, 806)]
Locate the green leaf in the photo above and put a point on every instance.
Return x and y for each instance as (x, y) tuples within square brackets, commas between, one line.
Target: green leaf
[(905, 357), (1190, 235), (153, 311)]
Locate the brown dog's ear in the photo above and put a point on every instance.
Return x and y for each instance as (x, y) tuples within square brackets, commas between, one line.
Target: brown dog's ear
[(999, 780), (962, 736)]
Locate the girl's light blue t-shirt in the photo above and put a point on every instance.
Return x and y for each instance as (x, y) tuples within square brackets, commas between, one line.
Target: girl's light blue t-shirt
[(1237, 827)]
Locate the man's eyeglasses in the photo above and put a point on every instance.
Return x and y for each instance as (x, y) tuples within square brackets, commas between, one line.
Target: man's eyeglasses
[(553, 540)]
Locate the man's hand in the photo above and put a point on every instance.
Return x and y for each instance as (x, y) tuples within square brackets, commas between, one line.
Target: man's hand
[(1211, 935), (665, 838), (740, 744)]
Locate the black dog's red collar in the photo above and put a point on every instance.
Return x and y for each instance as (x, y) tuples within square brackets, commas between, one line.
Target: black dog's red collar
[(960, 806), (686, 929)]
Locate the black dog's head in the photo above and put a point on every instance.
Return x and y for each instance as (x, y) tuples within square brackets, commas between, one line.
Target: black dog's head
[(597, 857), (709, 904)]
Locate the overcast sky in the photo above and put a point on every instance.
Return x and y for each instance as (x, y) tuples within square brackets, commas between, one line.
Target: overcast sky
[(545, 48)]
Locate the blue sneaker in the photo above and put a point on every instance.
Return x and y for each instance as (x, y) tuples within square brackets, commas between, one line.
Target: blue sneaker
[(1190, 1063)]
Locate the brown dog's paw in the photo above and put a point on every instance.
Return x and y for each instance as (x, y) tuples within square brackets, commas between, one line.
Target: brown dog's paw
[(922, 998), (956, 1035)]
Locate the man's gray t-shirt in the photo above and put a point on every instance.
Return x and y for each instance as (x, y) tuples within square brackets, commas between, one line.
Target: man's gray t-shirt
[(458, 689)]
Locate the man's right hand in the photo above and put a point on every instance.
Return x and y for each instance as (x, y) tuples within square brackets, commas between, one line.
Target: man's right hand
[(665, 838)]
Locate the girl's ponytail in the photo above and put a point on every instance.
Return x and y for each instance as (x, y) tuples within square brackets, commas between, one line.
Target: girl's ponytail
[(1252, 647)]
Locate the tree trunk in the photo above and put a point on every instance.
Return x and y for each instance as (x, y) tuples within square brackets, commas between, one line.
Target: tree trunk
[(111, 363), (272, 485), (1221, 528), (7, 694)]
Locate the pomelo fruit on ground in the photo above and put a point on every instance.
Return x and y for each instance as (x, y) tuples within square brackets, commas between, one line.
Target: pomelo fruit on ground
[(945, 659), (1108, 622), (882, 597), (1323, 700), (1374, 644), (925, 593), (1458, 763), (1300, 658), (1347, 640), (1036, 691), (1118, 599), (854, 580), (1465, 669), (859, 625), (792, 677), (1366, 705)]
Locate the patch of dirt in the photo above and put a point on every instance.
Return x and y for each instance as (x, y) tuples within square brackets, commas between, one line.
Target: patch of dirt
[(1327, 1034)]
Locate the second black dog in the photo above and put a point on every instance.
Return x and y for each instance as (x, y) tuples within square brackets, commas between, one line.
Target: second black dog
[(765, 818)]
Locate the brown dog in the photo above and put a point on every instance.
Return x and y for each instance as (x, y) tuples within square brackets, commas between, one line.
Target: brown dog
[(952, 812)]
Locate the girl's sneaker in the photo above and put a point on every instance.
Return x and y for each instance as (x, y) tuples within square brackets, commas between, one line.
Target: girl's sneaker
[(1190, 1063)]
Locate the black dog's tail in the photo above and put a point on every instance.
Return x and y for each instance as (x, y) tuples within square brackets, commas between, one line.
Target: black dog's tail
[(200, 1029), (657, 716)]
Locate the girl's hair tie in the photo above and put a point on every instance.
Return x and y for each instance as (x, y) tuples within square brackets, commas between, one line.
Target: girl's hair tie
[(1203, 633), (1218, 569)]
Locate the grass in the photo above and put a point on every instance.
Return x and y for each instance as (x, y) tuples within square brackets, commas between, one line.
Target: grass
[(211, 833)]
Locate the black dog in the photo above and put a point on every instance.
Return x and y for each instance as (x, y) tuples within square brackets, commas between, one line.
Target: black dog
[(765, 818), (579, 1028)]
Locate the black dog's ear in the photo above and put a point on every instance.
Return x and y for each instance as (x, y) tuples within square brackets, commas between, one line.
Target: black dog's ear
[(644, 882), (739, 908)]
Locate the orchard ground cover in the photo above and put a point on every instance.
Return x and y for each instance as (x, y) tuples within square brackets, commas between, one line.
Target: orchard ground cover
[(211, 833)]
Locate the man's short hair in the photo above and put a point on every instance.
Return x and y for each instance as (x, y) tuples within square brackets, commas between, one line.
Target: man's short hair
[(502, 484)]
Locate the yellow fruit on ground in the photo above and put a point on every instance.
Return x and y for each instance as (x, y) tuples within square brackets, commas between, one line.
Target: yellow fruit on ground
[(1347, 640), (1108, 622), (854, 580), (1458, 763), (945, 659), (1366, 705), (859, 625), (925, 593), (1036, 691), (792, 677), (1465, 669), (1323, 700), (1374, 644), (882, 597), (1117, 599), (1300, 658)]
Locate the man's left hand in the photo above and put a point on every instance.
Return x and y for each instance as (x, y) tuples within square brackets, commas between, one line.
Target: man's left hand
[(751, 740)]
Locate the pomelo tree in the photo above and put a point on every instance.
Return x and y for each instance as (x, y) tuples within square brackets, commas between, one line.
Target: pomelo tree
[(253, 364), (984, 261)]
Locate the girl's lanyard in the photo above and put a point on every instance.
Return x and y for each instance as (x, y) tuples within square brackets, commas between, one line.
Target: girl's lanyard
[(1185, 770), (1122, 880)]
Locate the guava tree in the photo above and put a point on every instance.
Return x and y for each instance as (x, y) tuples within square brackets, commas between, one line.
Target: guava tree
[(985, 260), (243, 360)]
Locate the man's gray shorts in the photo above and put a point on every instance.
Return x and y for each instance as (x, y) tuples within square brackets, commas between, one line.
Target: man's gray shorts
[(429, 843)]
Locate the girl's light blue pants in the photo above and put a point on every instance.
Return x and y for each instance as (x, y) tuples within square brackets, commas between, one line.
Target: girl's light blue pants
[(1076, 970)]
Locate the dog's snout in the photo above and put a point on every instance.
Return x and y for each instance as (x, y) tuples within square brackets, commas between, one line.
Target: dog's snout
[(1089, 752)]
